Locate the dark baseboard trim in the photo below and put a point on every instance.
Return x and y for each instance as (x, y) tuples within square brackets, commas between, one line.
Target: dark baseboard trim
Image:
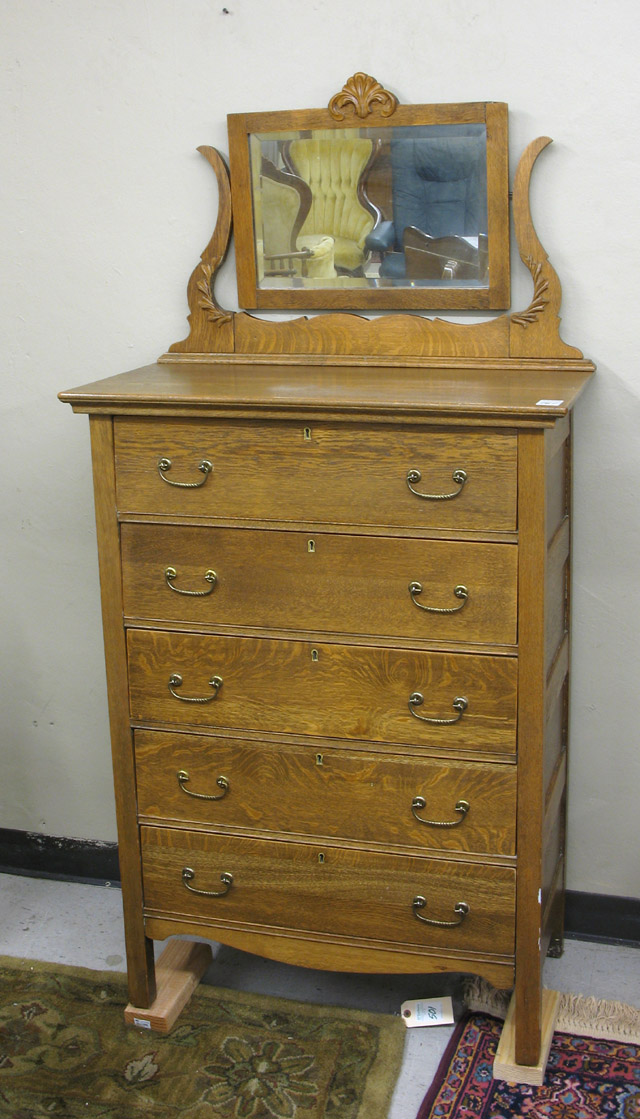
[(602, 917), (599, 917), (50, 856)]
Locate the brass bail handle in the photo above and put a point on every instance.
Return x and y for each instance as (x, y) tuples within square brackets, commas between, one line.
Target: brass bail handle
[(462, 807), (210, 577), (461, 908), (188, 876), (164, 465), (459, 477), (221, 782), (175, 681), (460, 592), (460, 704)]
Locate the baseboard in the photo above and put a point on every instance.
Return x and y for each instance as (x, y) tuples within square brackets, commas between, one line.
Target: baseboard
[(599, 917), (49, 856), (602, 917)]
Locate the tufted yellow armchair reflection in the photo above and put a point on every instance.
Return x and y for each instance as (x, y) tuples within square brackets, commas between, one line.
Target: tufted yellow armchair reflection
[(336, 171)]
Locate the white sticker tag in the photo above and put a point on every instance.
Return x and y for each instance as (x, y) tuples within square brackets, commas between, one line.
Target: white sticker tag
[(428, 1012), (142, 1023), (549, 403)]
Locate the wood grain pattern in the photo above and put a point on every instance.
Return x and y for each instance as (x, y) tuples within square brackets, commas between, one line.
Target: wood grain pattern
[(557, 593), (333, 953), (210, 325), (311, 426), (335, 793), (350, 892), (506, 1065), (348, 692), (536, 330), (400, 335), (531, 727), (340, 473), (558, 490), (348, 583), (242, 125), (140, 962), (386, 391), (178, 972)]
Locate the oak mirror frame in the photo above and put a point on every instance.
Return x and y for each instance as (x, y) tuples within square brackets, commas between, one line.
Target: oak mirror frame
[(371, 205)]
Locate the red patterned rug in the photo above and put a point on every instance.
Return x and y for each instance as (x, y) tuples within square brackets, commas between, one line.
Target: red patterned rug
[(585, 1079)]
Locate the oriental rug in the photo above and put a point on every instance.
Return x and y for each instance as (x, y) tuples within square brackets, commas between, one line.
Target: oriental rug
[(66, 1052), (586, 1078)]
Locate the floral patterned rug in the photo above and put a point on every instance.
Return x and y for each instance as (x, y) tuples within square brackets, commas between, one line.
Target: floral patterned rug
[(586, 1078), (66, 1052)]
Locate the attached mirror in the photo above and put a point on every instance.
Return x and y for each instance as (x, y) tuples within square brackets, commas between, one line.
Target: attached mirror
[(393, 208)]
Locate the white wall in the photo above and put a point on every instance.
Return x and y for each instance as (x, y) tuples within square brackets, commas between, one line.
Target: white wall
[(106, 206)]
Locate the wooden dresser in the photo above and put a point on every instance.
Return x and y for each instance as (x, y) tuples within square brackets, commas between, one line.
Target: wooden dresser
[(335, 567)]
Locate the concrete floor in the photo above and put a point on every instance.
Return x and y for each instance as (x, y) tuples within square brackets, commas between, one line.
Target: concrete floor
[(73, 923)]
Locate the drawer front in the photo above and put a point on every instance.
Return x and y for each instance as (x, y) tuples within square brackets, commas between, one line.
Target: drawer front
[(332, 890), (336, 793), (336, 583), (334, 691), (339, 474)]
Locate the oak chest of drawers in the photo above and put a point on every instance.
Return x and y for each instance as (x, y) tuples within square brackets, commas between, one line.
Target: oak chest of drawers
[(337, 649)]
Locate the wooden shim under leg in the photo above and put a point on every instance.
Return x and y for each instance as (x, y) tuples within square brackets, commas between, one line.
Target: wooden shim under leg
[(178, 972), (504, 1065)]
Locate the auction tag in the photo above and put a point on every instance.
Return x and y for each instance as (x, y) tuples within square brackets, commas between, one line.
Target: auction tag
[(549, 403), (428, 1012), (142, 1023)]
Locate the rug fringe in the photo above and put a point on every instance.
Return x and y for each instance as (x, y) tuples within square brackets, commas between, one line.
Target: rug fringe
[(481, 998), (578, 1014)]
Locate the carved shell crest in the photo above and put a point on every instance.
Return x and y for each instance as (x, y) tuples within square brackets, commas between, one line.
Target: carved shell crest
[(362, 92)]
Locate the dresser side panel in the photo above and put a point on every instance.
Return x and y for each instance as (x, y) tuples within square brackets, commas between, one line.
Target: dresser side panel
[(531, 678), (140, 965)]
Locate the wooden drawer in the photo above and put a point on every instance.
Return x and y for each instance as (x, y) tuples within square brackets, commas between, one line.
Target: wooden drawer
[(332, 890), (336, 793), (334, 583), (339, 474), (336, 691)]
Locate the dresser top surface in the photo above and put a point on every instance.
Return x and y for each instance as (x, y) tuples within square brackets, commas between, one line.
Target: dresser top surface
[(527, 394)]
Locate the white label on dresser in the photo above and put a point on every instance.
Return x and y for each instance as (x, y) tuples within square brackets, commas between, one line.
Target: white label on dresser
[(428, 1012), (549, 403), (142, 1023)]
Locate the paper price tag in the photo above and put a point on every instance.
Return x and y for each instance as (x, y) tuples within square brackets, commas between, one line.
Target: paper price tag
[(428, 1012), (142, 1023), (549, 403)]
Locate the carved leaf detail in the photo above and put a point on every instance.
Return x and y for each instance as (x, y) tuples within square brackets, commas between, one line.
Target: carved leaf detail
[(207, 303), (538, 303), (362, 92)]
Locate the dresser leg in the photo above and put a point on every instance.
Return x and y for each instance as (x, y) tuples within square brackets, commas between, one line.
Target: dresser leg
[(505, 1066), (178, 972), (141, 969)]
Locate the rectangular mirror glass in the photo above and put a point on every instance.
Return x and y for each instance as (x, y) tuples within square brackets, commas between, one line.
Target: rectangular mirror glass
[(405, 212), (320, 200)]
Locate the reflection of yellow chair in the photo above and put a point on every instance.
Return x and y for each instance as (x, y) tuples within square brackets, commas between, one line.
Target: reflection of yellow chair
[(282, 204), (335, 169)]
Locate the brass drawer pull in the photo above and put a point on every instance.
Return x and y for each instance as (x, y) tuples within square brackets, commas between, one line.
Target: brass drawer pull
[(175, 681), (222, 783), (460, 704), (418, 803), (459, 477), (210, 576), (459, 592), (205, 467), (188, 875), (461, 908)]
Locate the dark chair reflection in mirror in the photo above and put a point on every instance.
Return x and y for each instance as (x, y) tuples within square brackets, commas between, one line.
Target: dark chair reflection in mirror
[(438, 230)]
